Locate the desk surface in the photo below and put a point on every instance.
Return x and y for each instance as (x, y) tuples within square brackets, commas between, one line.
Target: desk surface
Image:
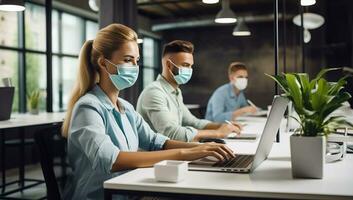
[(271, 179), (22, 120), (193, 106)]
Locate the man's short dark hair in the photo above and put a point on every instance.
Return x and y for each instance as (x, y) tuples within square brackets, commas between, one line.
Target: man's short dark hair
[(178, 46), (235, 66)]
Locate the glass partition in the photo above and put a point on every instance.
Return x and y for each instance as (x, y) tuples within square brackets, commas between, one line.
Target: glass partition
[(324, 40)]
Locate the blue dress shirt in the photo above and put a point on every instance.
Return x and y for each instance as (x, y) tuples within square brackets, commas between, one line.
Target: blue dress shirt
[(97, 133), (224, 102)]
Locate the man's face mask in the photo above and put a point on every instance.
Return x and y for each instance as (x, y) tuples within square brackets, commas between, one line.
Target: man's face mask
[(184, 74), (241, 83)]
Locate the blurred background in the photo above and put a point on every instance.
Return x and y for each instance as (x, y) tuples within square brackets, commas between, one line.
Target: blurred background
[(39, 49), (328, 43)]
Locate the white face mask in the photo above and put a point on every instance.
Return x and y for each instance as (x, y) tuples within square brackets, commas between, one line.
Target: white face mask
[(241, 83)]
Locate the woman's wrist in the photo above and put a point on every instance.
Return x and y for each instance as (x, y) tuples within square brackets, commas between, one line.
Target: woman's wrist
[(181, 154)]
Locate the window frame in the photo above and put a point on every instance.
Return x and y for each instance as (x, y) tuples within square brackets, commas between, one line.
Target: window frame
[(22, 50), (156, 59)]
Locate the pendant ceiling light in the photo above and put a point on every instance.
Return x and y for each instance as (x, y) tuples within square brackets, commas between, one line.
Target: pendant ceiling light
[(225, 15), (307, 36), (210, 1), (307, 2), (241, 29), (12, 5), (94, 5), (310, 20)]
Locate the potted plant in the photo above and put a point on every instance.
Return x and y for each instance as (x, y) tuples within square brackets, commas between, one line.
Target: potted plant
[(33, 102), (314, 101)]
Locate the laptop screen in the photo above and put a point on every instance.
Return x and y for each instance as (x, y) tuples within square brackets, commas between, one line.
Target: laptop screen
[(6, 96), (272, 125)]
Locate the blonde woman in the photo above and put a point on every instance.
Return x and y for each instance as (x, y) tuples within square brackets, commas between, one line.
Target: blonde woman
[(104, 131)]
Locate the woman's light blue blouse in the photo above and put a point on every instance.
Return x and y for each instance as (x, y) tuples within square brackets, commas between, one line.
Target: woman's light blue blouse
[(97, 133)]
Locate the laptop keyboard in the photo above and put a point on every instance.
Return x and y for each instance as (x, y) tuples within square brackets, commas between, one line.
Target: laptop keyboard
[(240, 161)]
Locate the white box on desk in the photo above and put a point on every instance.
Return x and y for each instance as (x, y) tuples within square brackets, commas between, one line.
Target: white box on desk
[(170, 170)]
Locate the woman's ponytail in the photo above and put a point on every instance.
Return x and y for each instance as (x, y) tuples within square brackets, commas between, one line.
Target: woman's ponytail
[(86, 78)]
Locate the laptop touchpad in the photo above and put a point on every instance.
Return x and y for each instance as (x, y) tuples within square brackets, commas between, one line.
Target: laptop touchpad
[(209, 160)]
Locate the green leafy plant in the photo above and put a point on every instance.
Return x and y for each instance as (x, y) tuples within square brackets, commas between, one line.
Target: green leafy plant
[(314, 100), (33, 99)]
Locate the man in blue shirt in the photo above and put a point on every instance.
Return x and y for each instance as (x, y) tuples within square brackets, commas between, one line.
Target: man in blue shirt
[(228, 101)]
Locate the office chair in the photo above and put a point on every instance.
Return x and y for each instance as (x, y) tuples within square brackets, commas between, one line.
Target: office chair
[(50, 144)]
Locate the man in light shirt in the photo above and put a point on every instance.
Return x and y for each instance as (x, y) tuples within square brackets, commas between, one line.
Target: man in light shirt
[(161, 103), (228, 101)]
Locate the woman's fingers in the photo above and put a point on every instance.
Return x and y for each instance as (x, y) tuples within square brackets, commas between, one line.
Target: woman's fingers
[(218, 151), (229, 151), (216, 155), (222, 149)]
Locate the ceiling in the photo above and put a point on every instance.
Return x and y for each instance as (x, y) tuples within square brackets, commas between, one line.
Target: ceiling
[(161, 10), (179, 10)]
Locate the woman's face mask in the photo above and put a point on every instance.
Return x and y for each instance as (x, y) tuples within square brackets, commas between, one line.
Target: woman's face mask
[(184, 74), (125, 76)]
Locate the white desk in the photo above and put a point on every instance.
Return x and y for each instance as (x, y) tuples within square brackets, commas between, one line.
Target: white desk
[(193, 106), (22, 122), (272, 179)]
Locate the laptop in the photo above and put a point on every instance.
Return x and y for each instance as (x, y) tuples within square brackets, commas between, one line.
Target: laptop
[(6, 96), (247, 163)]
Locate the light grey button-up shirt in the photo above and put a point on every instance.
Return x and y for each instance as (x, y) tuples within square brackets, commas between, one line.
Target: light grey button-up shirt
[(163, 108)]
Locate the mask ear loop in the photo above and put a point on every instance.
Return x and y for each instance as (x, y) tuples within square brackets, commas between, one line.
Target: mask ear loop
[(105, 68), (171, 71), (117, 68)]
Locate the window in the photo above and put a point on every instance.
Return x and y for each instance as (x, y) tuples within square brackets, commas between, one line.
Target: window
[(9, 35), (151, 60), (35, 27), (9, 57), (36, 76), (64, 76), (70, 33), (57, 83), (69, 68), (91, 30), (23, 49), (35, 63), (55, 31), (8, 69)]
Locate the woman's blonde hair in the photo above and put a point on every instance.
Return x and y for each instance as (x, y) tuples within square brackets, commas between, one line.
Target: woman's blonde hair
[(108, 40)]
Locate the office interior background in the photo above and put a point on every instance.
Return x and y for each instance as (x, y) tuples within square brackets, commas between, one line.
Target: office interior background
[(26, 59)]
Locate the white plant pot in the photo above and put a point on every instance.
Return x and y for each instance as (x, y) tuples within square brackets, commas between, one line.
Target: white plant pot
[(34, 111), (307, 156)]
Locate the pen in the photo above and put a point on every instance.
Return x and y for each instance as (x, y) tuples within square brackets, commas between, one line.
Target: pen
[(251, 103), (228, 122), (236, 124)]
